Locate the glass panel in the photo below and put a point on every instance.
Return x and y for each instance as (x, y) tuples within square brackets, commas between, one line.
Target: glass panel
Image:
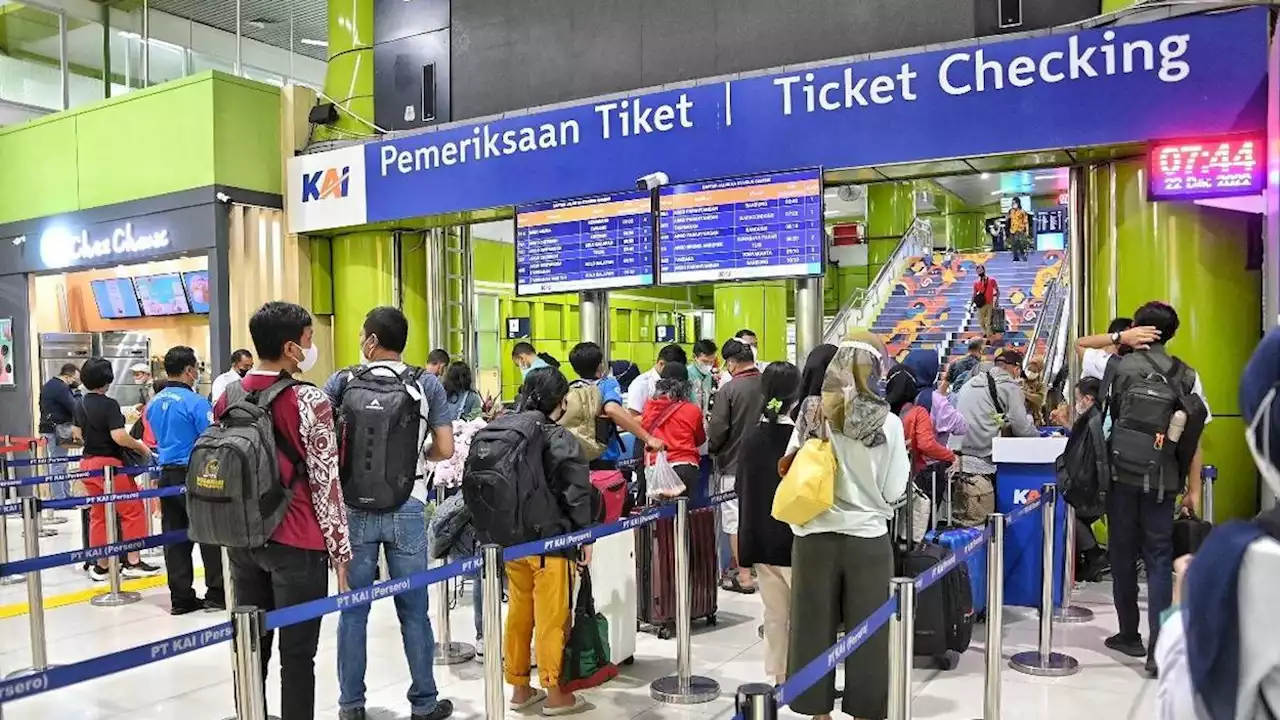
[(84, 53), (204, 61), (488, 348), (265, 76), (29, 61), (487, 313)]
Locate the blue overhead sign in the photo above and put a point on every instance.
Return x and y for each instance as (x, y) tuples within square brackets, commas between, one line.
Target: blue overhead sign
[(1194, 75)]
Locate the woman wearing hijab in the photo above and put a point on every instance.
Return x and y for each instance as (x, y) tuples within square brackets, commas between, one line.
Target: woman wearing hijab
[(842, 560), (763, 542), (917, 425), (807, 414), (1216, 651), (947, 421)]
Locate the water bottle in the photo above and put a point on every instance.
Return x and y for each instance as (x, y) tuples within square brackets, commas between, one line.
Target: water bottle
[(1176, 425)]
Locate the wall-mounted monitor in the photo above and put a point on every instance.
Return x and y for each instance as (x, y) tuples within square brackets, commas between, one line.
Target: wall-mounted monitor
[(1207, 168), (115, 298), (757, 226), (197, 287), (162, 295), (594, 243)]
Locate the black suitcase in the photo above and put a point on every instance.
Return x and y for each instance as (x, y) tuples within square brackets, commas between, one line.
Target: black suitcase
[(84, 535), (1189, 532), (656, 571)]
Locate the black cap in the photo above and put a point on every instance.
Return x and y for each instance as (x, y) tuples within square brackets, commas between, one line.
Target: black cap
[(1009, 357)]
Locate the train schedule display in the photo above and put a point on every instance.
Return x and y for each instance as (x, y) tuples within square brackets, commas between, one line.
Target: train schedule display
[(758, 226), (601, 242)]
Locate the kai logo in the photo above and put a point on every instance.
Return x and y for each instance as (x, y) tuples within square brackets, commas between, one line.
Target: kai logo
[(326, 184), (207, 478), (1022, 497)]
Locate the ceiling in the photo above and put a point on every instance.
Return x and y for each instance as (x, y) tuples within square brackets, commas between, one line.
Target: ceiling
[(986, 188), (266, 21)]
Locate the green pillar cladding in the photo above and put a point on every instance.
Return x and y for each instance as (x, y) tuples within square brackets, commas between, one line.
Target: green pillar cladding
[(363, 268), (413, 296), (349, 75), (890, 208), (1195, 259), (759, 307)]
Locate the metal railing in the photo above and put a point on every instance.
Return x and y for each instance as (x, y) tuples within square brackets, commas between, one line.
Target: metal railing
[(866, 303)]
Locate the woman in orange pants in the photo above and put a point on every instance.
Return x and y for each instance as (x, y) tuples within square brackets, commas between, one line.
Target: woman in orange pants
[(101, 425)]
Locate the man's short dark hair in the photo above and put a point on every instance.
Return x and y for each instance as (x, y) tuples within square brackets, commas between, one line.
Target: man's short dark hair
[(276, 324), (1089, 387), (1160, 316), (586, 358), (744, 333), (391, 327), (68, 369), (977, 344), (96, 373), (178, 359), (736, 351), (438, 357), (523, 348), (239, 355), (1120, 324), (673, 353), (704, 348)]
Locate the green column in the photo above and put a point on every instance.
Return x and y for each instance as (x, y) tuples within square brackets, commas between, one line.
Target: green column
[(363, 266), (1195, 259), (413, 296), (760, 307), (349, 75), (891, 206)]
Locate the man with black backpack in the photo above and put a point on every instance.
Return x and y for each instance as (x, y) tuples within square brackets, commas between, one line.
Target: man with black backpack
[(263, 483), (1156, 414), (385, 410)]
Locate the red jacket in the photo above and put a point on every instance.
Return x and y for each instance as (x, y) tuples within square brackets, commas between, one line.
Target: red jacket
[(988, 287), (922, 439), (683, 432)]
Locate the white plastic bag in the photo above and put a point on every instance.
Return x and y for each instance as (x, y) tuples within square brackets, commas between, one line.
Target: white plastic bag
[(661, 480)]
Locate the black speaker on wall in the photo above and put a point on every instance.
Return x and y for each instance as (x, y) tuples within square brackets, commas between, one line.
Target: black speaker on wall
[(1010, 13), (411, 58)]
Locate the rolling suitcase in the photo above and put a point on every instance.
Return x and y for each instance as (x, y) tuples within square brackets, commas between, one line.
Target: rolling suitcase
[(953, 539), (613, 580), (656, 571)]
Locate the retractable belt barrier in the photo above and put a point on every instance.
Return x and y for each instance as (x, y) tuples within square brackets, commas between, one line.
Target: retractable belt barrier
[(77, 475), (53, 678), (73, 503)]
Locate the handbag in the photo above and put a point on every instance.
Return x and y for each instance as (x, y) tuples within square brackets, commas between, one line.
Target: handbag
[(64, 435), (809, 488)]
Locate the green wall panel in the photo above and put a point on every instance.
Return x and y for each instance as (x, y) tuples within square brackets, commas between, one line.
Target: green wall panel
[(38, 169), (413, 297), (362, 264), (890, 209), (760, 307), (320, 255), (242, 158)]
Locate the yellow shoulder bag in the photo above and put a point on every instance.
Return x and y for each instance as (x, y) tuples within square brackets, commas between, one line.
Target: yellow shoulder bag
[(809, 488)]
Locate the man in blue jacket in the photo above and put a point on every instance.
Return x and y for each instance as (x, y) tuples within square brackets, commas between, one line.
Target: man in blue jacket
[(58, 408), (177, 415)]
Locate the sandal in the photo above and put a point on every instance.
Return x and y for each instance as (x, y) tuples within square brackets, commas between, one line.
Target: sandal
[(733, 583), (579, 706), (537, 697)]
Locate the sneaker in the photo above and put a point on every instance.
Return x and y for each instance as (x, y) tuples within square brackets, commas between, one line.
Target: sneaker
[(351, 714), (479, 647), (185, 608), (139, 569), (214, 605), (1129, 645), (98, 573), (444, 709), (1153, 671)]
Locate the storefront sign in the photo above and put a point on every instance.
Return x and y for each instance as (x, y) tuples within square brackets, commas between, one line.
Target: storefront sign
[(1207, 168), (60, 247), (1193, 75)]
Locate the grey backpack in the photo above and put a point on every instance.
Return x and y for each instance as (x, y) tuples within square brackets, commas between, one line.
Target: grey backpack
[(235, 498)]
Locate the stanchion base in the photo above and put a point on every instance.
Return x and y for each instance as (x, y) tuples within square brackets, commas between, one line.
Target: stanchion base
[(53, 520), (269, 717), (1073, 614), (27, 672), (124, 597), (13, 579), (152, 552), (48, 532), (1054, 664), (454, 653), (698, 690)]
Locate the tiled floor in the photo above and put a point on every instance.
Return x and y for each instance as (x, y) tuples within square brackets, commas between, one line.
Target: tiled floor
[(197, 686)]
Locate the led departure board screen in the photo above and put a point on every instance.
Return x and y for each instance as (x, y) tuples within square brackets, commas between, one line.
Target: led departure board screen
[(594, 243), (758, 226), (1207, 168)]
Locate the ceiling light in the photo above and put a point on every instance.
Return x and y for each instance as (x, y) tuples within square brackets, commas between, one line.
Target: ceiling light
[(986, 176), (314, 43)]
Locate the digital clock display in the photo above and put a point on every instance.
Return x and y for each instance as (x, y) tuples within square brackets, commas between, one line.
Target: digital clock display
[(1206, 168)]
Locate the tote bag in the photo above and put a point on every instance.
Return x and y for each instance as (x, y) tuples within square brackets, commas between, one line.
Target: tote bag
[(809, 488)]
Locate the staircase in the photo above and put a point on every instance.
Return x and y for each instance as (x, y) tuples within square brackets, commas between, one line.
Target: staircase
[(929, 306)]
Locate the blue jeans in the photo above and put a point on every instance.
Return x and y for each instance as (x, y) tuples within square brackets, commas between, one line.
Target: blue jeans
[(404, 535), (58, 490)]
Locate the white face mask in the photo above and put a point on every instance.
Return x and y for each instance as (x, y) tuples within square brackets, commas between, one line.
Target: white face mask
[(1262, 424), (1032, 375), (704, 367), (309, 357)]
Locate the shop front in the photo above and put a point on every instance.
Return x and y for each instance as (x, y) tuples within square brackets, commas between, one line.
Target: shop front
[(124, 282)]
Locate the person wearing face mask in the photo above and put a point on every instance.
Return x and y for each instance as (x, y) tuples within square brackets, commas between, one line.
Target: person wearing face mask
[(241, 364), (57, 418), (526, 358), (986, 298), (177, 415), (702, 373), (293, 567), (1216, 651), (1033, 390)]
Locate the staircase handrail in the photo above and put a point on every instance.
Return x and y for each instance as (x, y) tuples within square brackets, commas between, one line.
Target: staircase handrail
[(865, 302), (1055, 298), (1050, 296)]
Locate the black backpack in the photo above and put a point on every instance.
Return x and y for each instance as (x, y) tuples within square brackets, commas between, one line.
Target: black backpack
[(504, 483), (1083, 470), (1141, 411), (379, 417)]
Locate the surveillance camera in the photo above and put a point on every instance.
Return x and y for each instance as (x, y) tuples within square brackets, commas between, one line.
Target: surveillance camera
[(223, 198), (652, 181)]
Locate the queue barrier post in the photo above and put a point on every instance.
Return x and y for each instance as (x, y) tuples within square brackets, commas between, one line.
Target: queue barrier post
[(491, 619), (902, 626), (4, 529), (683, 688), (35, 592), (1208, 476), (33, 452), (250, 685), (150, 481), (48, 516), (9, 494), (991, 691), (755, 701), (1068, 613), (447, 652), (1043, 661), (114, 596)]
